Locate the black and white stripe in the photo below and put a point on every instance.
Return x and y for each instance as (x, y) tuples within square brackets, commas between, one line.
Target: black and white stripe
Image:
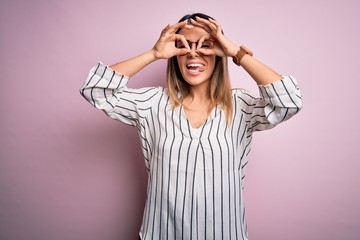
[(196, 176)]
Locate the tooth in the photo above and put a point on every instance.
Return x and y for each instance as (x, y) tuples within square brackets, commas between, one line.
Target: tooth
[(194, 65)]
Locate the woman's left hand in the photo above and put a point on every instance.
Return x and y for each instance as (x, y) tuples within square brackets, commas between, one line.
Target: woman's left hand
[(222, 47)]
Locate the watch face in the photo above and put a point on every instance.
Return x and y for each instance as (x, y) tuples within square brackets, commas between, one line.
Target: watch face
[(247, 51)]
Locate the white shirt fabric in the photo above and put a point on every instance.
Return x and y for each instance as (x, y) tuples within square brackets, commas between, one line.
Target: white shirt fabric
[(195, 175)]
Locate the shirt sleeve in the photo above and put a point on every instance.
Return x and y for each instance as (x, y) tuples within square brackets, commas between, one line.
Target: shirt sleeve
[(106, 89), (277, 102)]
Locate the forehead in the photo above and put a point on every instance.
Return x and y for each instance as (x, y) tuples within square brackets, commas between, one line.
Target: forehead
[(193, 34)]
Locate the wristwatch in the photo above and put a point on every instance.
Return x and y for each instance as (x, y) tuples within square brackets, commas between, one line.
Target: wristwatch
[(240, 54)]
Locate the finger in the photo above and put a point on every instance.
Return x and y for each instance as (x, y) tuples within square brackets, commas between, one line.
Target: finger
[(206, 22), (216, 23), (183, 51), (173, 28), (179, 37), (197, 23), (200, 24), (202, 39), (213, 25), (166, 28), (207, 52)]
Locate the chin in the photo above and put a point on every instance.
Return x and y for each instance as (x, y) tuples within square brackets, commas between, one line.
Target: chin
[(193, 81)]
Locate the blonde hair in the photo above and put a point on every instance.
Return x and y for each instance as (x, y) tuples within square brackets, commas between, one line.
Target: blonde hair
[(219, 86)]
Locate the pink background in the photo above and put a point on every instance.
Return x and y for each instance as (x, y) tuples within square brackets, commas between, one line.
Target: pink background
[(69, 172)]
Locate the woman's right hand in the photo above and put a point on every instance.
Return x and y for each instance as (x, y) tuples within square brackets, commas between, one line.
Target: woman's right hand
[(165, 47)]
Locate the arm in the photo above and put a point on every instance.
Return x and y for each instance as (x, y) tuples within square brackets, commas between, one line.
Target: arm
[(280, 96), (278, 102), (262, 74), (131, 66), (163, 49), (105, 88)]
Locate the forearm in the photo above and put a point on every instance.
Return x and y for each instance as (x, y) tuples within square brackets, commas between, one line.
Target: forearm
[(262, 74), (133, 65)]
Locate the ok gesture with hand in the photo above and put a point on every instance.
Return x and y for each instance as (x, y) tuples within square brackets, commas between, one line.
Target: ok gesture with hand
[(223, 46), (165, 47)]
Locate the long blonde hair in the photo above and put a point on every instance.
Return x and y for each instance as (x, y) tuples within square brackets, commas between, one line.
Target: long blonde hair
[(219, 87)]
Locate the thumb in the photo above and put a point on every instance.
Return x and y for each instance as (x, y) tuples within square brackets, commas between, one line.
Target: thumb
[(206, 51), (183, 51)]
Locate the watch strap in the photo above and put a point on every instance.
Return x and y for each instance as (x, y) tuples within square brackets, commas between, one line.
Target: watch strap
[(241, 53)]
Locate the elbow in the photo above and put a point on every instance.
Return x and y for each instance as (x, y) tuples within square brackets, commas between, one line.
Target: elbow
[(300, 103)]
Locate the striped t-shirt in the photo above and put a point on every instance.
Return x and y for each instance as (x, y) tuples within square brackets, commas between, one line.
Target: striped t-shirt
[(195, 175)]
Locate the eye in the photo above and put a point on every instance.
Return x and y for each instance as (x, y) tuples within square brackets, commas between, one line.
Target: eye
[(207, 44), (179, 44)]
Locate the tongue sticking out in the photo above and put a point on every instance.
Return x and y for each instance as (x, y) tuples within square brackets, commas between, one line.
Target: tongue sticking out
[(196, 68), (200, 69)]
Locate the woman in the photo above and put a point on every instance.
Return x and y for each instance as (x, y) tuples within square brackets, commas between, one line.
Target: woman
[(195, 134)]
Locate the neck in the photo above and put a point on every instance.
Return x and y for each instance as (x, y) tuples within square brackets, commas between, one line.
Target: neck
[(200, 93), (199, 98)]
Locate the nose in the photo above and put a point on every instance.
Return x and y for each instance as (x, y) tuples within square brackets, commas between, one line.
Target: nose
[(193, 52)]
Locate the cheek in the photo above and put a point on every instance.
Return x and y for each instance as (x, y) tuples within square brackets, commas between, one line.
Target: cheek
[(181, 63), (211, 65)]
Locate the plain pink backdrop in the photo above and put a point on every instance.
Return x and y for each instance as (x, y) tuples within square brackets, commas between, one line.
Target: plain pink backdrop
[(69, 172)]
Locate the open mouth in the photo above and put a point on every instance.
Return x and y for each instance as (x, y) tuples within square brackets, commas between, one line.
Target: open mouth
[(195, 67)]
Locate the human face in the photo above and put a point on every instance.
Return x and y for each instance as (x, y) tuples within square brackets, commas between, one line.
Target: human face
[(196, 68)]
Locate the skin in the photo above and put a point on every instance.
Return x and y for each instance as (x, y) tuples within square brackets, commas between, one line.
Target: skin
[(200, 30), (196, 104), (196, 80)]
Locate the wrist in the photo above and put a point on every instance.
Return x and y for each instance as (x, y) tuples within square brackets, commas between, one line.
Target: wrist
[(235, 51), (240, 54), (154, 54)]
